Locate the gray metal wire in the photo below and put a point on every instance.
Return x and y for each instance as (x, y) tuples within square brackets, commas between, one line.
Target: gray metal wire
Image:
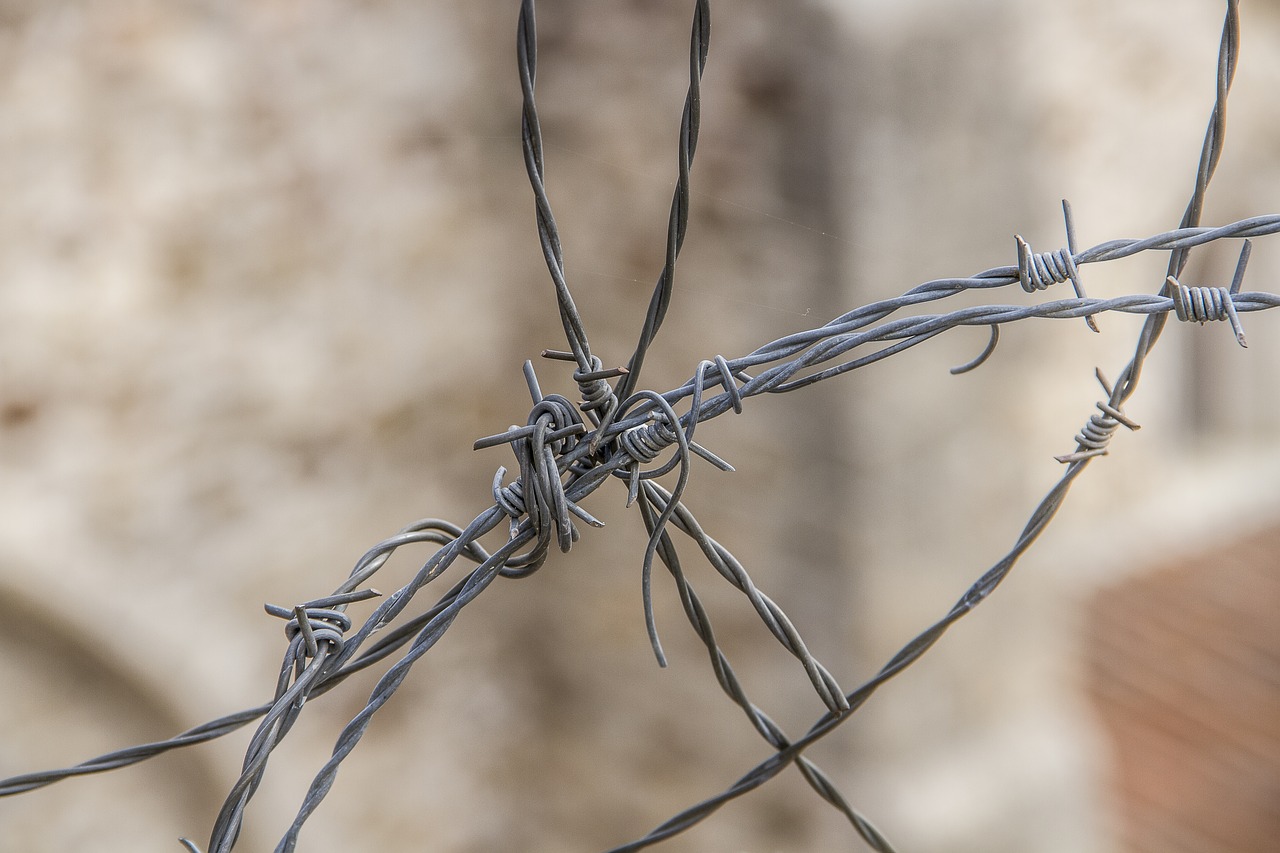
[(566, 450)]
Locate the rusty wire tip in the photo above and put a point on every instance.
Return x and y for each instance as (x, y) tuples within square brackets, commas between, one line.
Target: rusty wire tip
[(558, 355), (982, 356)]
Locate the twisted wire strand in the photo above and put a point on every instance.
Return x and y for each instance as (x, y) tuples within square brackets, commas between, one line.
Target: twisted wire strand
[(905, 657), (678, 221), (476, 582), (548, 232), (428, 629), (773, 617), (907, 332), (789, 346), (296, 682), (655, 498)]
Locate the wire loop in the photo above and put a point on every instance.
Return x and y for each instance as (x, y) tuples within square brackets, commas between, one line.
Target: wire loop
[(598, 397)]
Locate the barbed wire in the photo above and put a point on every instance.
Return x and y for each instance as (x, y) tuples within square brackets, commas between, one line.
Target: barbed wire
[(567, 450)]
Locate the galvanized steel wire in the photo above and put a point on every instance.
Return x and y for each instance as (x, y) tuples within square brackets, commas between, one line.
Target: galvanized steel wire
[(566, 450)]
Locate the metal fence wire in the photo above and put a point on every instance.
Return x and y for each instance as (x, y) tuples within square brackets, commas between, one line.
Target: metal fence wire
[(620, 431)]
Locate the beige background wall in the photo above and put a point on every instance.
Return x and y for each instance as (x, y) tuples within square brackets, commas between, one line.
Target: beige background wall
[(268, 269)]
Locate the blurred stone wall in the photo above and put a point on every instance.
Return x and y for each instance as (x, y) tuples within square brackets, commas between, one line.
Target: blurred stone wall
[(267, 270)]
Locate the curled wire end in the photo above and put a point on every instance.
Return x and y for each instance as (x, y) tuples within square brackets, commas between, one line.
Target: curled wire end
[(983, 356), (727, 379), (189, 844), (650, 622)]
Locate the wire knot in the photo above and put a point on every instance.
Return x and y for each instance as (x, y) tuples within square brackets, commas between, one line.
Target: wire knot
[(538, 494), (317, 622), (598, 396), (323, 625), (1203, 304), (554, 429), (645, 442), (1042, 270), (1093, 438)]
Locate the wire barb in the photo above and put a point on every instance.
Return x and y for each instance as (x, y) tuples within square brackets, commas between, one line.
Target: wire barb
[(1093, 438), (1203, 304), (1040, 271)]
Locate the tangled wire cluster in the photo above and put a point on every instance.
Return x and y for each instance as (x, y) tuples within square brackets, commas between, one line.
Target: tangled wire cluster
[(566, 450)]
